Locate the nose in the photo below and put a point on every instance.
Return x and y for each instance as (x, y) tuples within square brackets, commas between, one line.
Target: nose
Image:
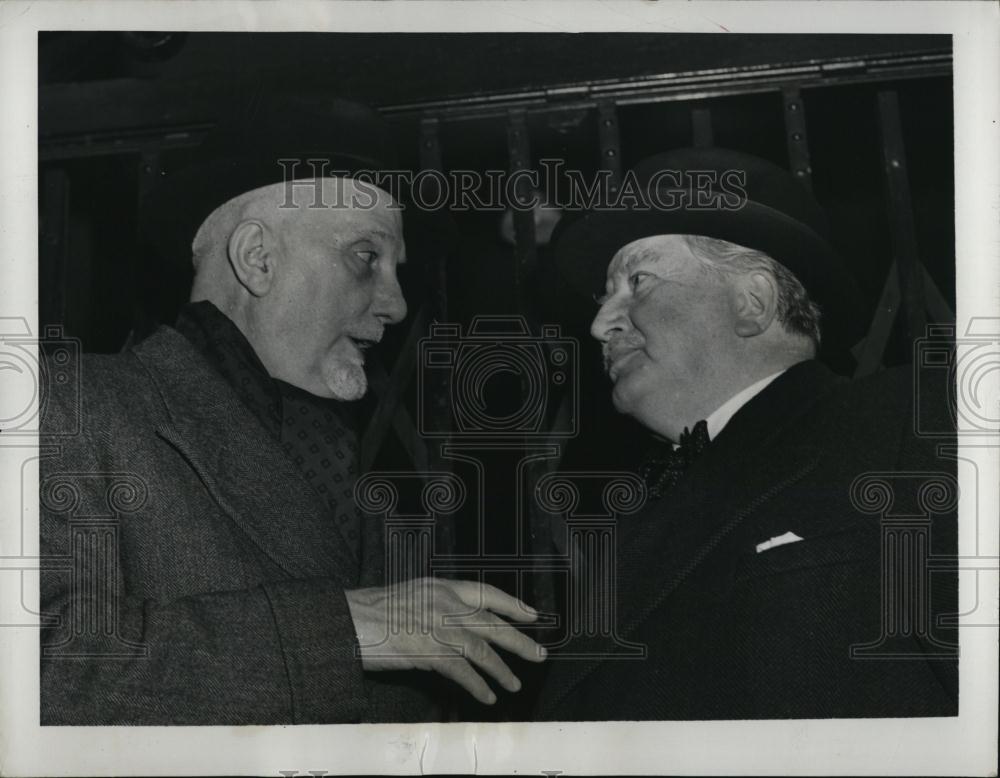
[(390, 305), (609, 321)]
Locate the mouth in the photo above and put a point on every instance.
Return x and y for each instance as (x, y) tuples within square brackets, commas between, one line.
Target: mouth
[(615, 361), (362, 344)]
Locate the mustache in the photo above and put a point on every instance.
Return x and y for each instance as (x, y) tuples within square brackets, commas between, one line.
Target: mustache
[(372, 334), (616, 347)]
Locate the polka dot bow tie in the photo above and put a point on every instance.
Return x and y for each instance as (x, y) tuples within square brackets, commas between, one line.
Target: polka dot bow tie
[(667, 465)]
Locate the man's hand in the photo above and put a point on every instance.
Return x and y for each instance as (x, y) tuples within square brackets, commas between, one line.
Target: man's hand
[(445, 626)]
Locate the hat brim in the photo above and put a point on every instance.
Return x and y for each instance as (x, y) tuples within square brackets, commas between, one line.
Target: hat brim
[(586, 246)]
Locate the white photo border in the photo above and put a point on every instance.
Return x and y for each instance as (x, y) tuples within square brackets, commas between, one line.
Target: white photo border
[(965, 745)]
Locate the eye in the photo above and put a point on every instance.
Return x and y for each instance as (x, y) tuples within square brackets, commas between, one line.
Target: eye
[(637, 278), (367, 256)]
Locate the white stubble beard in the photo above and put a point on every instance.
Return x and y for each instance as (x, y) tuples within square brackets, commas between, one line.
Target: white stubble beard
[(345, 378)]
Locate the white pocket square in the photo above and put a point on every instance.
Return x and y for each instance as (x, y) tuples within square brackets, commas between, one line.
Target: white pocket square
[(779, 540)]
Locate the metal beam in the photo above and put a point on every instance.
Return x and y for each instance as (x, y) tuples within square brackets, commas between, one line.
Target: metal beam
[(702, 135), (871, 352), (432, 158), (873, 347), (609, 138), (939, 308), (795, 136), (124, 115), (900, 208), (692, 85), (519, 159)]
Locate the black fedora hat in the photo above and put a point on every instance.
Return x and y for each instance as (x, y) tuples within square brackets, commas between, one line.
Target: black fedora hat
[(724, 194), (268, 139)]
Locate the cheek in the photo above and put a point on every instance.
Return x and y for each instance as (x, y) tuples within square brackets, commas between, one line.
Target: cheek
[(349, 291), (660, 324), (324, 300), (676, 334)]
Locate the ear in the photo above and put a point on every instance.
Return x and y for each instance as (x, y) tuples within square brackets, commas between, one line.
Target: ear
[(251, 254), (755, 303)]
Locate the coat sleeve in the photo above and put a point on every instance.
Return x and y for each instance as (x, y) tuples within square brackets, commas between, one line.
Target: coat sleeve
[(280, 652)]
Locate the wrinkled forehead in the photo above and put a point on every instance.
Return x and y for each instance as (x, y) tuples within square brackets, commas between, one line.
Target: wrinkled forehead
[(655, 249), (338, 194), (344, 204)]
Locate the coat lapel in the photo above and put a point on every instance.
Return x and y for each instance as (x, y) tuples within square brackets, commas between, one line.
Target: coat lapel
[(244, 470), (755, 458)]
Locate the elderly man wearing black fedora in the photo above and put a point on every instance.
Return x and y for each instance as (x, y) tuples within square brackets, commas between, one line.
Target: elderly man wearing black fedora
[(755, 579), (237, 582)]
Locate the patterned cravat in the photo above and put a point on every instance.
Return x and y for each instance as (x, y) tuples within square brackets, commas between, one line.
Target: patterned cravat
[(667, 464), (325, 450), (315, 433)]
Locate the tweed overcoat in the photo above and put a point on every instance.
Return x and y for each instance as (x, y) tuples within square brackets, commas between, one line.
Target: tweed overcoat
[(192, 575)]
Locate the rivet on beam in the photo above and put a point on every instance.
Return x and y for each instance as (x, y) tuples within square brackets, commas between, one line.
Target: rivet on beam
[(795, 133), (609, 138)]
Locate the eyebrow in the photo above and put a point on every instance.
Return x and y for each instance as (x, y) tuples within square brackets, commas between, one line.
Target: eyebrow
[(627, 263), (375, 232), (645, 255)]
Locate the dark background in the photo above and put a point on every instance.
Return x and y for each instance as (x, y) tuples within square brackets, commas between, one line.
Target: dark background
[(106, 96), (112, 106)]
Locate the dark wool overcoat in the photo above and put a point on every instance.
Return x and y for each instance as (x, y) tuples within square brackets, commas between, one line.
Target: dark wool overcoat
[(849, 621)]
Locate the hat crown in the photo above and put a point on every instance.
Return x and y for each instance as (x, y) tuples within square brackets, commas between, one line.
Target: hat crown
[(301, 127), (763, 182), (751, 202), (244, 152)]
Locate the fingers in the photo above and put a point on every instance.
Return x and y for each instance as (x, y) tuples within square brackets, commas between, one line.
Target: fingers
[(481, 595), (462, 616), (479, 651), (461, 672), (499, 632), (486, 598)]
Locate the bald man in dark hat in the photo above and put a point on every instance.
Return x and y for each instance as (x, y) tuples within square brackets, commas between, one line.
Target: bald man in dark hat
[(236, 581), (756, 579)]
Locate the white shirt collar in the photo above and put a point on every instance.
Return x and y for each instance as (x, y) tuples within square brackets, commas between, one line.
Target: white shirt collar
[(720, 417)]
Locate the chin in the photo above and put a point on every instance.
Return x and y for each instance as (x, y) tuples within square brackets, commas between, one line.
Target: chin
[(622, 397), (345, 382)]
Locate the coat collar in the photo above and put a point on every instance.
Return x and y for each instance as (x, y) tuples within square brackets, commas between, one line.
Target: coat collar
[(242, 467), (752, 460)]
